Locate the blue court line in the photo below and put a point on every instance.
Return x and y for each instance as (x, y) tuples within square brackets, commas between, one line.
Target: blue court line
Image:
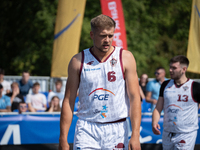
[(63, 30), (197, 10)]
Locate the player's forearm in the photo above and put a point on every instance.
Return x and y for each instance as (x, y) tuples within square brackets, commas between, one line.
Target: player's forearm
[(65, 120), (149, 100), (155, 116), (135, 117)]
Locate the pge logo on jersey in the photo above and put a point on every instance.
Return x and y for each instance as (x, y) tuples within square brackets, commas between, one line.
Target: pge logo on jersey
[(173, 109), (101, 96)]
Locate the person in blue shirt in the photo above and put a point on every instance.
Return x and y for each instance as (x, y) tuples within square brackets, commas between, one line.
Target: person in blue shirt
[(25, 84), (153, 87), (5, 104)]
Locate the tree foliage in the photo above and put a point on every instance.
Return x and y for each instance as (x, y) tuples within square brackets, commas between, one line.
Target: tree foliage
[(156, 31), (26, 31)]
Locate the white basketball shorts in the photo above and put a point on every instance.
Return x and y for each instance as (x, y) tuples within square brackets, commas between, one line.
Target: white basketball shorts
[(179, 141), (100, 136)]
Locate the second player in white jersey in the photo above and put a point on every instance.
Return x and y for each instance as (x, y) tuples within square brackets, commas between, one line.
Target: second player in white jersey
[(179, 97), (180, 109)]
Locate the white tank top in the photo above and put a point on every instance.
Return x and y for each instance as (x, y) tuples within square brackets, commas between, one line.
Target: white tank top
[(180, 109), (102, 92)]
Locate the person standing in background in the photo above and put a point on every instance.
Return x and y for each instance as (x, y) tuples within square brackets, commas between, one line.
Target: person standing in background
[(4, 83), (25, 84), (143, 82), (153, 87), (146, 107)]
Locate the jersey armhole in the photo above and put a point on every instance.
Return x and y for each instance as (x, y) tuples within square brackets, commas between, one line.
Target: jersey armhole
[(162, 88), (82, 60), (193, 91), (121, 63)]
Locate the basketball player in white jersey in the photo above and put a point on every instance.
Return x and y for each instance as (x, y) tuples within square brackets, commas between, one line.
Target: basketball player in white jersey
[(179, 97), (108, 93)]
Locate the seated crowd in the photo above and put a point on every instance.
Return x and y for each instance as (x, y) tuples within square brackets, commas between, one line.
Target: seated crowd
[(16, 97)]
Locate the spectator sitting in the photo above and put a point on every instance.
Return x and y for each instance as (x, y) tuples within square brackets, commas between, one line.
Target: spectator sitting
[(5, 105), (58, 92), (25, 84), (4, 83), (22, 107), (36, 101), (54, 105), (15, 97)]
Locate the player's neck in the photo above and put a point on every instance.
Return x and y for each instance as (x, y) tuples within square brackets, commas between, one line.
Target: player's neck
[(102, 55), (181, 81)]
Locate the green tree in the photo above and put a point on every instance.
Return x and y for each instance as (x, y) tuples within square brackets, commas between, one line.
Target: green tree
[(156, 31), (27, 29)]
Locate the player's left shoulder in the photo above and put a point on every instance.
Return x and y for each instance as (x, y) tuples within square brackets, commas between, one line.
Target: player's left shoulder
[(127, 56)]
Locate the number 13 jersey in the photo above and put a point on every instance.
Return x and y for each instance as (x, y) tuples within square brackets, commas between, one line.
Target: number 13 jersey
[(180, 108), (102, 89)]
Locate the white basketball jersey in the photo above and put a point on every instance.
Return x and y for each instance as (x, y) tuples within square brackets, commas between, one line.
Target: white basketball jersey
[(180, 109), (102, 92)]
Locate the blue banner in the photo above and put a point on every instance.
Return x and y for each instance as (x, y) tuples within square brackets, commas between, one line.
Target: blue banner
[(45, 128)]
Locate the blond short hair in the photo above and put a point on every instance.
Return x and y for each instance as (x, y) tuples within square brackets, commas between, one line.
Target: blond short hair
[(102, 21)]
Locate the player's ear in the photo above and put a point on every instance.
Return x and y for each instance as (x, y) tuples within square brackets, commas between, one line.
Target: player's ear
[(184, 68), (91, 34)]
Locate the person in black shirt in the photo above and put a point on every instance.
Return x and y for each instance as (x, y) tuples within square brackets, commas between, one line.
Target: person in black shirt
[(15, 97)]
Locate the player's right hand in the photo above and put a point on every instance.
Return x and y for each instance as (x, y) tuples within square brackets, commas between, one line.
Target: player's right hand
[(156, 129), (63, 146)]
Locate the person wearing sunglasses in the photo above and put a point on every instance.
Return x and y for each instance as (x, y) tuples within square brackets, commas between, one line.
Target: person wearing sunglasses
[(22, 107), (153, 87)]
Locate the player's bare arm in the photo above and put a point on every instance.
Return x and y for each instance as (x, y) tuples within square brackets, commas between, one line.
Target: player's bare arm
[(132, 85), (156, 116), (69, 100), (149, 99)]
